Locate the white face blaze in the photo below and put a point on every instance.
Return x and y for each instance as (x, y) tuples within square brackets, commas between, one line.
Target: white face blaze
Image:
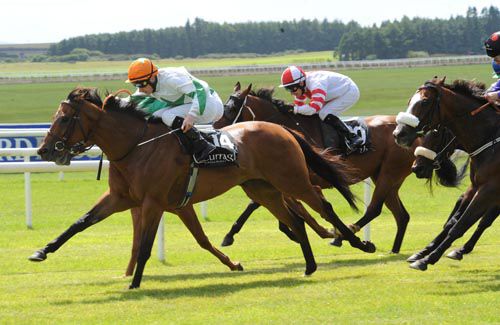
[(407, 118)]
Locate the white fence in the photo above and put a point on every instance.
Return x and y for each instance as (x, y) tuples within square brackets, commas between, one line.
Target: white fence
[(257, 69)]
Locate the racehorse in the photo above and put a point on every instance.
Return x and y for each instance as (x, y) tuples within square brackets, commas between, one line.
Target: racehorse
[(153, 177), (461, 108), (386, 164), (434, 154)]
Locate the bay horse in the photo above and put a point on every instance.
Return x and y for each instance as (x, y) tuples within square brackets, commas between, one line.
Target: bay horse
[(460, 108), (387, 164), (153, 176), (434, 154)]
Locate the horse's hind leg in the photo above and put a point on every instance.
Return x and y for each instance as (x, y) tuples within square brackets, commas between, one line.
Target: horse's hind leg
[(190, 220), (299, 209), (313, 197), (272, 199), (136, 223), (229, 238), (485, 222)]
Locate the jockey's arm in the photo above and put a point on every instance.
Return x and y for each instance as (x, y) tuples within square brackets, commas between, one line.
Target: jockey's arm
[(147, 103), (195, 90), (316, 102), (492, 95)]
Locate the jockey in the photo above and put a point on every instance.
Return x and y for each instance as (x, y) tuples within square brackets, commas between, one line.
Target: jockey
[(492, 46), (329, 94), (180, 99)]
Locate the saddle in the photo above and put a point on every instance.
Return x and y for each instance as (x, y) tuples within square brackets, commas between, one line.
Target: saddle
[(356, 125), (225, 154)]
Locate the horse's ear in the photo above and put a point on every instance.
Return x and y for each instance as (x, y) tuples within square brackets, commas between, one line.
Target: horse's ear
[(249, 87), (441, 82), (237, 87)]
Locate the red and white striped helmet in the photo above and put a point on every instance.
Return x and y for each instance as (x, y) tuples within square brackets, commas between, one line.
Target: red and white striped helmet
[(292, 76)]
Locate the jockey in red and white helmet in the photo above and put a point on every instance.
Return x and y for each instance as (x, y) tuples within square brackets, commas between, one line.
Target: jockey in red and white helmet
[(329, 93), (492, 46)]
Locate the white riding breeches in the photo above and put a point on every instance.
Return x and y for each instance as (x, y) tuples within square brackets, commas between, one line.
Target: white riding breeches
[(214, 110), (340, 104)]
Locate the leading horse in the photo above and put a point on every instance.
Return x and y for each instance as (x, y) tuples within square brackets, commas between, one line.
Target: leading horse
[(153, 177), (456, 106), (386, 164)]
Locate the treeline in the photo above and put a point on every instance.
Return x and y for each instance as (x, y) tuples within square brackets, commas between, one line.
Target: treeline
[(351, 41)]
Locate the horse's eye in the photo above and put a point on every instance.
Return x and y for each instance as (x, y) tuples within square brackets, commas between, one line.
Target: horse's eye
[(64, 119)]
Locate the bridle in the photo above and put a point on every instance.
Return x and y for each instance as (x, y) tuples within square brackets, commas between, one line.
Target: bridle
[(61, 142), (237, 102)]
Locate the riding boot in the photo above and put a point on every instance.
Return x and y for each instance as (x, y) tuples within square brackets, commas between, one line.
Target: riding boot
[(354, 141), (200, 147)]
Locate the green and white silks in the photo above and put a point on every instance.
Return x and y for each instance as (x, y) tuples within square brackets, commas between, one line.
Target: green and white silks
[(175, 87)]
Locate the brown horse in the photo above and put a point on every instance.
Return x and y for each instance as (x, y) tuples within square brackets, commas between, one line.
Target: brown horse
[(386, 164), (455, 106), (153, 176)]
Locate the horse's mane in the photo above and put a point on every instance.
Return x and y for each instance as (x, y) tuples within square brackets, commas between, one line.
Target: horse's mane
[(111, 103), (85, 93), (470, 88), (267, 94)]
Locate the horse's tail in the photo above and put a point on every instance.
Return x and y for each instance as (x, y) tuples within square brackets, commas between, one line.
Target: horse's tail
[(328, 167)]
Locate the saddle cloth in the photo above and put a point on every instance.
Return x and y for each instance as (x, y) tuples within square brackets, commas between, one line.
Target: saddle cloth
[(356, 125), (225, 154)]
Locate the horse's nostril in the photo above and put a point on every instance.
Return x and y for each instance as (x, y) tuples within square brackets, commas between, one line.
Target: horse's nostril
[(42, 151)]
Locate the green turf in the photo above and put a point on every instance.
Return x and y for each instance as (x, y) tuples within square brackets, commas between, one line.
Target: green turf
[(80, 283)]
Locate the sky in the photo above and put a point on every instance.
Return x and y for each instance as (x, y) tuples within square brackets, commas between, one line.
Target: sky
[(46, 21)]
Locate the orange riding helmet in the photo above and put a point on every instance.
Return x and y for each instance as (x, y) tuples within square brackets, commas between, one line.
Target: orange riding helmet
[(141, 70)]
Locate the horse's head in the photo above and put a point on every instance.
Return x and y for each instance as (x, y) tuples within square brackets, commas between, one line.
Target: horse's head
[(435, 154), (70, 131), (233, 106), (422, 113)]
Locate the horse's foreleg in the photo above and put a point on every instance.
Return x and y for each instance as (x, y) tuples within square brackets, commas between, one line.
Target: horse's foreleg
[(188, 217), (373, 210), (471, 214), (136, 240), (485, 222), (393, 202), (108, 204), (150, 219), (229, 238), (457, 211)]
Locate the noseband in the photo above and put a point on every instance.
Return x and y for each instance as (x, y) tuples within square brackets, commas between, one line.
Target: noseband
[(61, 142)]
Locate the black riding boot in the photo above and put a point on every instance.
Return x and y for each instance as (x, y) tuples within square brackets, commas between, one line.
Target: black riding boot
[(201, 148), (354, 141)]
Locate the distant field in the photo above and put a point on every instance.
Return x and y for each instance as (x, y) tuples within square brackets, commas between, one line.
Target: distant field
[(382, 91), (59, 68)]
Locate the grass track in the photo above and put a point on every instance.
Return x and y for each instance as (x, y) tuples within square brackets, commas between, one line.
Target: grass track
[(79, 284)]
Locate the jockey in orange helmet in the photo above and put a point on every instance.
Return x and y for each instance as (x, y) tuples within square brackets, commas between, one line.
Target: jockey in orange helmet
[(178, 98), (492, 46), (329, 94)]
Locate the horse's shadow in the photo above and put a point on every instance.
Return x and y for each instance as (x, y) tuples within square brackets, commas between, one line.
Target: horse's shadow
[(225, 287)]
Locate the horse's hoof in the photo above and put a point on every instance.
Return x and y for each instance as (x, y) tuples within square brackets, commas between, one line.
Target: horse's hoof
[(227, 241), (455, 255), (415, 257), (419, 265), (337, 242), (369, 247), (38, 256), (310, 270), (132, 286), (238, 267)]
